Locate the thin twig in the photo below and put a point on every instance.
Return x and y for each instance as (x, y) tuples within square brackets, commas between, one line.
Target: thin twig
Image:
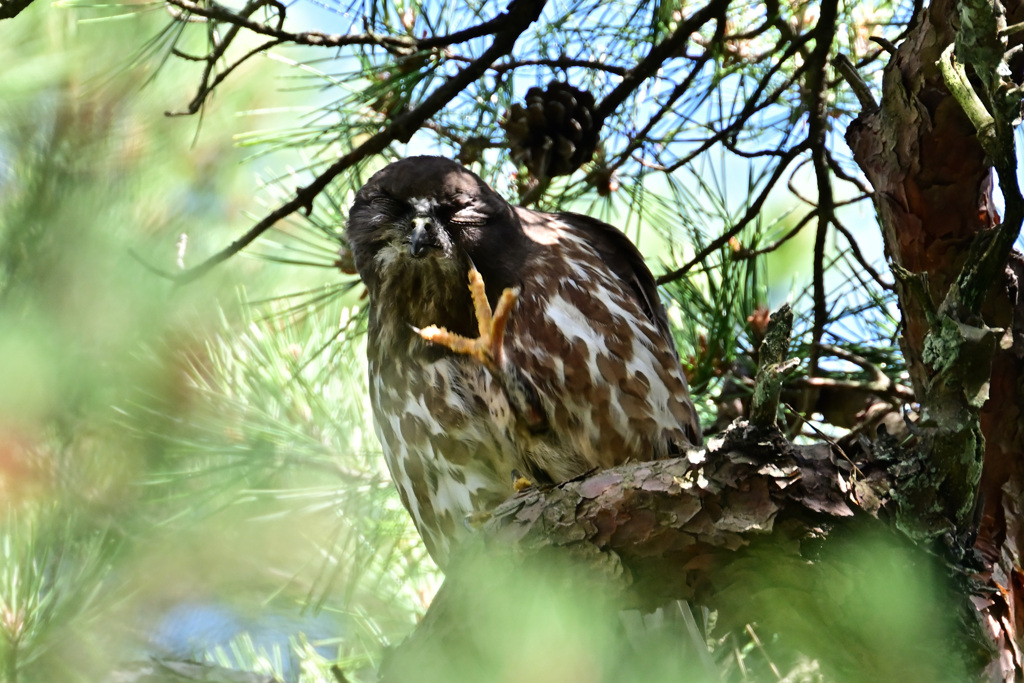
[(559, 63), (790, 234), (840, 172), (850, 74), (752, 211), (831, 442), (206, 87), (855, 250), (817, 106), (650, 64)]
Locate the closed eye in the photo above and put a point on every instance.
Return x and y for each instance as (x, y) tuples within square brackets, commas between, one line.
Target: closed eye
[(386, 204), (468, 217)]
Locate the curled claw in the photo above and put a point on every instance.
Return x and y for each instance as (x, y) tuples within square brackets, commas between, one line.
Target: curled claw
[(487, 348)]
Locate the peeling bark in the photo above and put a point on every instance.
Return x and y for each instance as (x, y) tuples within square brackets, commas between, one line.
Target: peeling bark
[(914, 149), (663, 517)]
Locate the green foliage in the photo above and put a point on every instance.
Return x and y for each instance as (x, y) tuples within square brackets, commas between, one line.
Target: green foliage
[(868, 604), (89, 335), (544, 620), (53, 565)]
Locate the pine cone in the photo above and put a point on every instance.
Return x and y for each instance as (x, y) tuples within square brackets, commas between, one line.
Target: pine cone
[(555, 132)]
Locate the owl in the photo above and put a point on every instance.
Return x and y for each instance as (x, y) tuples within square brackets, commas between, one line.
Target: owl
[(505, 345)]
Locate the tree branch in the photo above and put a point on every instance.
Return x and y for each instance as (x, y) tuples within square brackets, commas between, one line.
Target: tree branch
[(216, 11), (519, 15), (824, 35)]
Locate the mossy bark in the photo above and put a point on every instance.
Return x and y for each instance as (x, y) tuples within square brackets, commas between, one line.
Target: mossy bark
[(931, 153)]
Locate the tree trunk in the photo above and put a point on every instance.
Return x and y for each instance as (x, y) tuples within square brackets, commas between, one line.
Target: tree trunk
[(934, 199)]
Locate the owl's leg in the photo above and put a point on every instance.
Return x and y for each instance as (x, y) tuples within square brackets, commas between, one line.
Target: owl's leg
[(487, 348)]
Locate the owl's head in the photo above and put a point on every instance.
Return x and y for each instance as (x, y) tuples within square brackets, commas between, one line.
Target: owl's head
[(426, 214), (415, 229)]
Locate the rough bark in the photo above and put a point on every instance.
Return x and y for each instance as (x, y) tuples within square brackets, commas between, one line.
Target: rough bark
[(662, 517), (962, 342)]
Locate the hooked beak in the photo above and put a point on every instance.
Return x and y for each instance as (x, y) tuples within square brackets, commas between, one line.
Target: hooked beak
[(420, 239)]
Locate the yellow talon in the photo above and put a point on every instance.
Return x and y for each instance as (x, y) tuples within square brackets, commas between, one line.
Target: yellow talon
[(487, 348), (519, 482)]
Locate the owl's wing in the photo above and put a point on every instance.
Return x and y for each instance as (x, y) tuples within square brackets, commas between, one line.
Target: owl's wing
[(625, 260)]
